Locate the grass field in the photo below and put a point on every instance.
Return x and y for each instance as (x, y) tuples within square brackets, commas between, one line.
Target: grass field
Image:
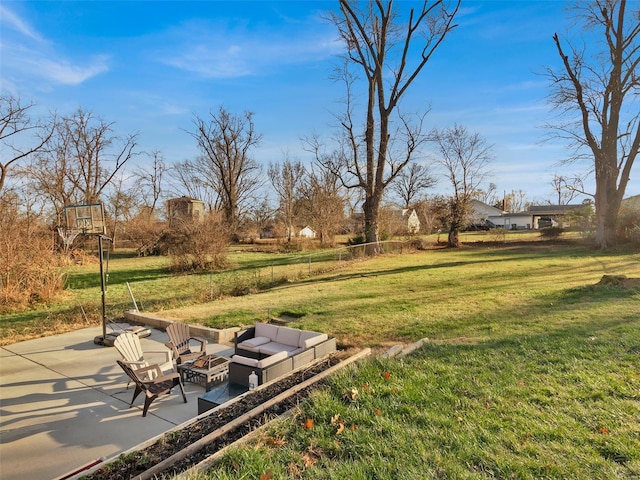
[(532, 368), (532, 371)]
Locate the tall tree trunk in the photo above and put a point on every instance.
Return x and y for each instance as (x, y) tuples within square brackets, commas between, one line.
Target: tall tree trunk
[(453, 239), (371, 209), (607, 204)]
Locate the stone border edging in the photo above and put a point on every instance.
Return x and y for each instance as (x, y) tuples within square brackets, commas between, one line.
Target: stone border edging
[(398, 352), (216, 335)]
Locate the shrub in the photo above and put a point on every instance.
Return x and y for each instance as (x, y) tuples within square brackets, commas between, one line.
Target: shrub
[(144, 233), (30, 268), (195, 245), (628, 225), (498, 234), (357, 240), (551, 233)]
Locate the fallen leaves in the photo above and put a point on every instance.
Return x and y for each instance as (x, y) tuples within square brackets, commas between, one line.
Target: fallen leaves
[(337, 422), (310, 458), (276, 441), (368, 388), (351, 394)]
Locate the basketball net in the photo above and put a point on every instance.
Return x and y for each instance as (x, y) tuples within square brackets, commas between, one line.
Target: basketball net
[(67, 236)]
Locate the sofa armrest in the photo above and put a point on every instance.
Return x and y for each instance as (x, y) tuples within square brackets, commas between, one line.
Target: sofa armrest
[(277, 370), (303, 358), (325, 348), (243, 335), (239, 374)]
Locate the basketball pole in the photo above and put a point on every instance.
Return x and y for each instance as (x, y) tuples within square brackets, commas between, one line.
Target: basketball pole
[(103, 340), (103, 288)]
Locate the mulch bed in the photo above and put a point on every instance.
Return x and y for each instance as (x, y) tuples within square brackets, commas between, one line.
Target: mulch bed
[(138, 462)]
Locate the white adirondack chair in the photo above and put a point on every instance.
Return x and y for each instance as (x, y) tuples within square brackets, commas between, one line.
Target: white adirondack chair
[(128, 344)]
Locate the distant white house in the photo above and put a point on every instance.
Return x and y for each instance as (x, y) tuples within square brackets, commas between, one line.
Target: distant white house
[(535, 218), (411, 221), (514, 221), (401, 221), (480, 211), (307, 232)]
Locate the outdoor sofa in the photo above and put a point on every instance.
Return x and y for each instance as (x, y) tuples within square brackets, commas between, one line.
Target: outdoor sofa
[(272, 351)]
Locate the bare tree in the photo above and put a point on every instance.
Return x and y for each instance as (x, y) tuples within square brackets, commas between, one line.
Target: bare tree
[(287, 180), (15, 125), (597, 92), (261, 214), (225, 141), (122, 198), (464, 156), (193, 179), (150, 181), (567, 188), (322, 204), (30, 269), (384, 51), (434, 214), (489, 196), (81, 159), (515, 201), (412, 182)]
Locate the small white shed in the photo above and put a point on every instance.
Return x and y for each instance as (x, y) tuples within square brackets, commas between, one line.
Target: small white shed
[(307, 232)]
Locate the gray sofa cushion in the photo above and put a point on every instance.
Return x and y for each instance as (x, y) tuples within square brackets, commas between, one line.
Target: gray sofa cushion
[(272, 348), (265, 362), (255, 342), (266, 330), (288, 336), (309, 339)]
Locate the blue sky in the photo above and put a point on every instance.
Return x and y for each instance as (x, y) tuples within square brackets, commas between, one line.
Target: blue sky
[(149, 66)]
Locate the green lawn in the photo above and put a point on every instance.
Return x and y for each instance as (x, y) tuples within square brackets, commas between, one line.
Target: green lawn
[(532, 371)]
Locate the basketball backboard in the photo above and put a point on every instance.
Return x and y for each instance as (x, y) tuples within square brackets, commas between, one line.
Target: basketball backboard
[(85, 219)]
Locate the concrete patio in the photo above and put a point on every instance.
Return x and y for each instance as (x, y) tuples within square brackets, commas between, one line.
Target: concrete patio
[(64, 403)]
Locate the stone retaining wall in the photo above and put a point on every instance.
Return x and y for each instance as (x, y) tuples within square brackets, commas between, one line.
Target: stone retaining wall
[(216, 335)]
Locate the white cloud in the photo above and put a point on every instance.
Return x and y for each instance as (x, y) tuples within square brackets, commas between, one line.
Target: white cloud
[(215, 51), (65, 73), (31, 64), (28, 56), (13, 21)]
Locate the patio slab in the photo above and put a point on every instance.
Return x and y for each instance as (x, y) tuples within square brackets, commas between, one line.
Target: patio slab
[(64, 403)]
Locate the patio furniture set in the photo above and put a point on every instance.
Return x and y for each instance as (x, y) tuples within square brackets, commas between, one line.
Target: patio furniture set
[(265, 350)]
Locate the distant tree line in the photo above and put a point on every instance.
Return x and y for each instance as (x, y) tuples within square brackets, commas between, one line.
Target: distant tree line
[(379, 158)]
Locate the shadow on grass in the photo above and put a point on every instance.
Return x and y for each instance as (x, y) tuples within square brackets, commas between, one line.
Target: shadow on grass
[(119, 277), (579, 340), (568, 312)]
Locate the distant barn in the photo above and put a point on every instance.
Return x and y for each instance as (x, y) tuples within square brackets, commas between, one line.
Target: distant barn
[(185, 208)]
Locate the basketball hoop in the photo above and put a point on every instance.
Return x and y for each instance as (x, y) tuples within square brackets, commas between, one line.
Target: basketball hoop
[(85, 219), (89, 220)]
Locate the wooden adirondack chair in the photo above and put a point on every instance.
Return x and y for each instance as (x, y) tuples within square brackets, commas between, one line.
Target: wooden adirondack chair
[(128, 344), (159, 385), (180, 343)]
